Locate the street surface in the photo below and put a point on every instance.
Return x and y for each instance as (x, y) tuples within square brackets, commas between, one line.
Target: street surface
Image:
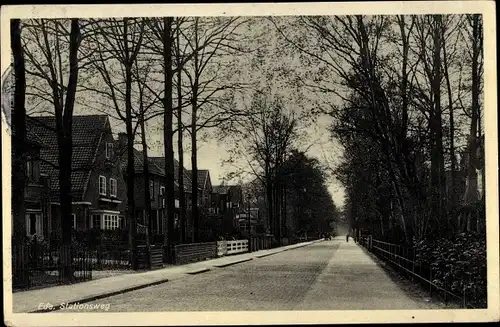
[(329, 275)]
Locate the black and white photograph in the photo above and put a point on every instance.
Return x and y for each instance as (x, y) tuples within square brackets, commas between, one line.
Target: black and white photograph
[(250, 163)]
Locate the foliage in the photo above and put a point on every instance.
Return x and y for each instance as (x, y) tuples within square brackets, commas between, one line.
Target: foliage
[(458, 263), (309, 201)]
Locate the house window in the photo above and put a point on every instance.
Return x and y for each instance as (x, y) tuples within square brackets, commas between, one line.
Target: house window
[(73, 221), (102, 185), (34, 224), (162, 190), (112, 187), (176, 221), (109, 150), (152, 189), (111, 221), (96, 221), (29, 169)]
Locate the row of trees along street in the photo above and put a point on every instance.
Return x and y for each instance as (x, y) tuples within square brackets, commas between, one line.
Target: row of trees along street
[(182, 76), (406, 97), (404, 94)]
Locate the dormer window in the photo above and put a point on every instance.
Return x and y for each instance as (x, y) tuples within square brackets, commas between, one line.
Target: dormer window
[(109, 150), (162, 190)]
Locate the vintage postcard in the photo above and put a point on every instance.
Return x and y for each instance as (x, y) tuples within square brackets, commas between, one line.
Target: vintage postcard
[(250, 164)]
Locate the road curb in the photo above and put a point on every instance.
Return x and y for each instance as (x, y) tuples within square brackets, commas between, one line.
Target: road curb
[(289, 249), (267, 254), (232, 263), (198, 271), (100, 296)]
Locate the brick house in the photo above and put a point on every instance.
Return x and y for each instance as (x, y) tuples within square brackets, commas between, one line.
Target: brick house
[(156, 186), (98, 188), (205, 187), (160, 162), (37, 191)]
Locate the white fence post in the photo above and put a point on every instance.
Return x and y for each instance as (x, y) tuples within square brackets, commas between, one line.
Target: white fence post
[(221, 248)]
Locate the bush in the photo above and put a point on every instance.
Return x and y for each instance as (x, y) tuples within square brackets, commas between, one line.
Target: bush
[(458, 264)]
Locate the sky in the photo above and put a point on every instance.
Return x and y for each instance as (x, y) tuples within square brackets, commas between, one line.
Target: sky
[(276, 72), (210, 153), (272, 64)]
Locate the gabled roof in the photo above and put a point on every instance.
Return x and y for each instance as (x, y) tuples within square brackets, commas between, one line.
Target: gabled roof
[(203, 177), (87, 134), (160, 162), (139, 163)]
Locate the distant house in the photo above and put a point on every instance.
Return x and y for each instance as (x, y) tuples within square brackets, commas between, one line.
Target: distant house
[(220, 199), (156, 187), (236, 194), (160, 162), (97, 185), (205, 187), (228, 201), (248, 220)]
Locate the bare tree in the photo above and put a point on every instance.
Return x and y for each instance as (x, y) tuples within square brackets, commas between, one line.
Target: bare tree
[(46, 64), (180, 135), (266, 137), (209, 40), (19, 152), (119, 41)]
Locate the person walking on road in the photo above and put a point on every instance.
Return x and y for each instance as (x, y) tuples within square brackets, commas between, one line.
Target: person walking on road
[(347, 238)]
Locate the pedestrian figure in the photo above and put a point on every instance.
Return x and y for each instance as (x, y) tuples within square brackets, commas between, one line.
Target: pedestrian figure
[(347, 238)]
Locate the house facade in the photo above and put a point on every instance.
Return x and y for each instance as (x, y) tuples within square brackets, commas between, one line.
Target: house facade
[(156, 186), (36, 192), (205, 187), (98, 188)]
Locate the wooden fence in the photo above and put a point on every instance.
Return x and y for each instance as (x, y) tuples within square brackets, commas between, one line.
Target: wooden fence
[(187, 253)]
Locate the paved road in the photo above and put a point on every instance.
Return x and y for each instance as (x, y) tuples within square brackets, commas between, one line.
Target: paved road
[(330, 275)]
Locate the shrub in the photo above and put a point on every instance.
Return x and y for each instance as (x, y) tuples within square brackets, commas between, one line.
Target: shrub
[(458, 263)]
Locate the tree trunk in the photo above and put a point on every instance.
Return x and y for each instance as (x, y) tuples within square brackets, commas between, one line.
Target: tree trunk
[(147, 192), (64, 120), (130, 152), (437, 155), (452, 193), (284, 218), (194, 169), (168, 144), (270, 206), (19, 274), (471, 195), (180, 147), (194, 150)]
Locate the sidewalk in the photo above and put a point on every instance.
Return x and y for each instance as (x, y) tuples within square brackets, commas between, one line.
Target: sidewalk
[(29, 301)]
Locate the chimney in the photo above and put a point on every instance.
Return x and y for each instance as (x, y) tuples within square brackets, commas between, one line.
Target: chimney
[(122, 140)]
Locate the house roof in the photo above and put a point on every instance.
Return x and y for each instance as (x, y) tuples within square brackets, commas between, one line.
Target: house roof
[(221, 189), (160, 162), (203, 177), (139, 163), (87, 134)]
